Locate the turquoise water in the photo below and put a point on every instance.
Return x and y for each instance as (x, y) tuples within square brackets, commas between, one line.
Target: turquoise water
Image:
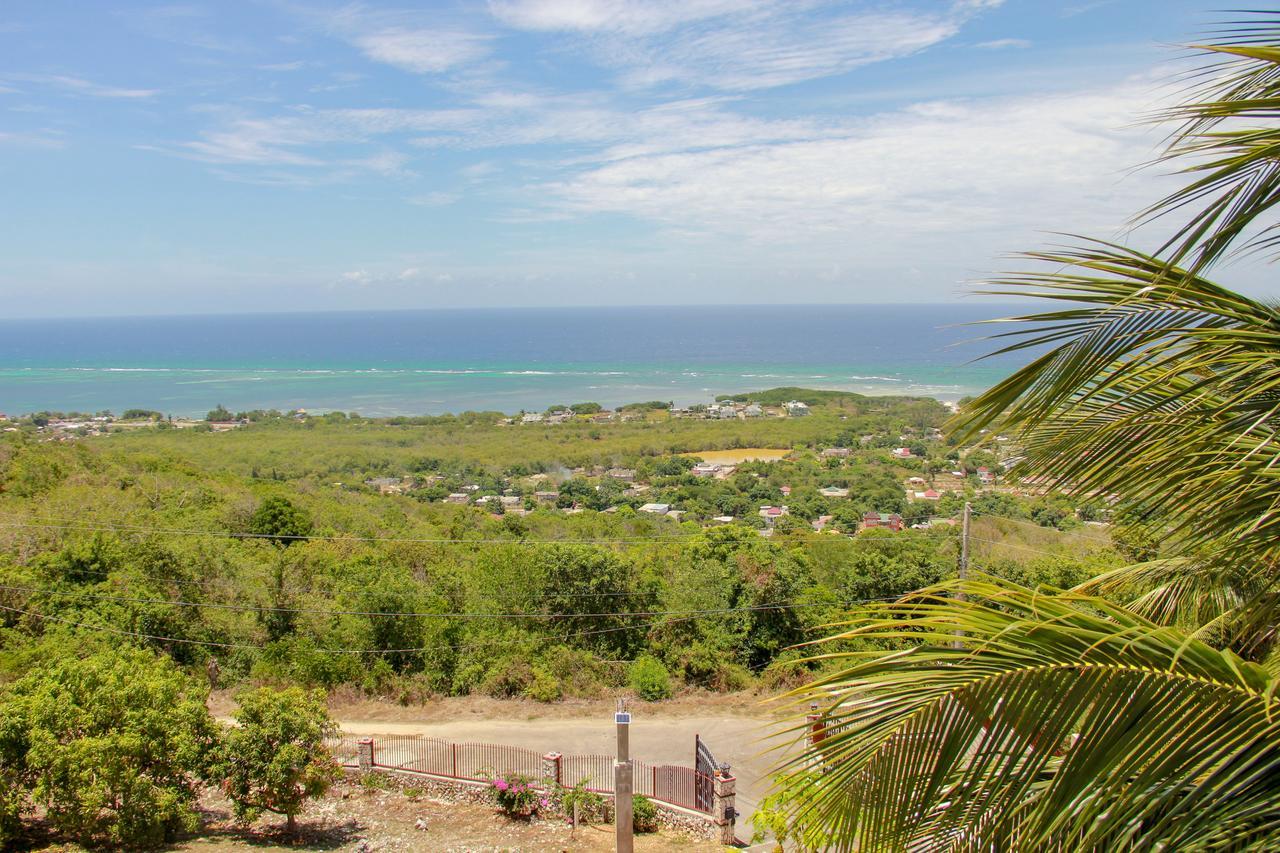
[(428, 362)]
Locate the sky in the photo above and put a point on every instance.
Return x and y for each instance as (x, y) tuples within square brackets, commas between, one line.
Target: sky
[(280, 155)]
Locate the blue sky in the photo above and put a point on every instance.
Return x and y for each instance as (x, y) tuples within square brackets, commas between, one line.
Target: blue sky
[(264, 156)]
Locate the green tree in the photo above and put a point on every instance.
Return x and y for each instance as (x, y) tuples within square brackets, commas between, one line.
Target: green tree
[(1036, 719), (277, 519), (220, 413), (275, 756), (112, 746)]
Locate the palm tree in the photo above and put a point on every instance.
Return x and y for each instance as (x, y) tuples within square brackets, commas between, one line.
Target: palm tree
[(1063, 720)]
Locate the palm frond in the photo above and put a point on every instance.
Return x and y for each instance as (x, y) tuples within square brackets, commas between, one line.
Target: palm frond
[(1161, 389), (1227, 129), (1065, 722)]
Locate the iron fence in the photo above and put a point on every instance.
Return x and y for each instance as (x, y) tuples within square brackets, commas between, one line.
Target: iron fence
[(595, 770), (666, 783)]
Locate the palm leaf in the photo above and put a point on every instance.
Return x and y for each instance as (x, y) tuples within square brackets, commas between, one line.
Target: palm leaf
[(1067, 722), (1226, 128), (1160, 389)]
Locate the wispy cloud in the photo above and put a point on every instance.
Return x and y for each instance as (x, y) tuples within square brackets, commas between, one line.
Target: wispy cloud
[(1003, 44), (630, 17), (418, 42), (423, 51), (738, 46), (81, 86)]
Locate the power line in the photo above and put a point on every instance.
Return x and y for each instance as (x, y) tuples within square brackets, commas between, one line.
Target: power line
[(1021, 547), (421, 649), (226, 534), (388, 613), (1027, 523)]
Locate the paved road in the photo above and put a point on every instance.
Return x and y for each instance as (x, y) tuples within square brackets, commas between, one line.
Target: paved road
[(741, 742)]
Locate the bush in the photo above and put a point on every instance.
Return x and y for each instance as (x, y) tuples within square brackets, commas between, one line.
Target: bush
[(276, 758), (644, 815), (517, 797), (113, 747), (545, 686), (592, 808), (649, 678)]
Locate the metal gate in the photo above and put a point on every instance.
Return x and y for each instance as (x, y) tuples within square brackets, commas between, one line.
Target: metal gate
[(706, 766)]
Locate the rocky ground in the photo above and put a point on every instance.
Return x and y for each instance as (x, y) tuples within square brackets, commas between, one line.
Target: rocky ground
[(353, 818)]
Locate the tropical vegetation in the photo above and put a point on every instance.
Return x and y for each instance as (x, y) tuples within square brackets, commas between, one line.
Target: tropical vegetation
[(1138, 709)]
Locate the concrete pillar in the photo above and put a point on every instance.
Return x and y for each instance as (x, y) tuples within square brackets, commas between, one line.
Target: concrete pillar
[(723, 798), (365, 746), (817, 730), (551, 770)]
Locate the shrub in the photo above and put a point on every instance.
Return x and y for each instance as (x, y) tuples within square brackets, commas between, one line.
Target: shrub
[(644, 814), (592, 808), (649, 678), (276, 758), (545, 686), (516, 796), (112, 747)]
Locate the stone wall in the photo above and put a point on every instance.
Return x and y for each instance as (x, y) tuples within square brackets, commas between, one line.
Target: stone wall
[(685, 821)]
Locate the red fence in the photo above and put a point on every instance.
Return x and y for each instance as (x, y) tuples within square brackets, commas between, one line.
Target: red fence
[(674, 785), (595, 770), (668, 783)]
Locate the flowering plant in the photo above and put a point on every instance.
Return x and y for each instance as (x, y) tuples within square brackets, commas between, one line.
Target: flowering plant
[(516, 796)]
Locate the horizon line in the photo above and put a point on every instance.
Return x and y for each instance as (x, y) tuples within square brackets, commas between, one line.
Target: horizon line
[(486, 308)]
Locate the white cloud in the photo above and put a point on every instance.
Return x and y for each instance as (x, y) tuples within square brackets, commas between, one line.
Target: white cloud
[(1001, 44), (983, 171), (634, 17), (734, 45), (81, 86), (423, 51)]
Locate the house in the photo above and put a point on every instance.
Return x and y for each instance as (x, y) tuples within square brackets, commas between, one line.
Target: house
[(797, 409), (625, 475), (833, 492), (509, 501), (927, 495), (676, 513), (635, 490), (656, 509), (901, 453), (786, 491), (835, 453), (546, 497), (531, 418), (722, 519), (820, 523), (458, 498), (705, 469), (753, 410), (771, 514), (722, 411), (985, 475), (916, 481), (882, 520), (386, 485)]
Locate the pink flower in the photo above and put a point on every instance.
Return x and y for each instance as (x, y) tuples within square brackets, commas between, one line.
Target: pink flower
[(501, 784)]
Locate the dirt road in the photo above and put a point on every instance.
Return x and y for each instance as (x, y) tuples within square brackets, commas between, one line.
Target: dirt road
[(742, 742)]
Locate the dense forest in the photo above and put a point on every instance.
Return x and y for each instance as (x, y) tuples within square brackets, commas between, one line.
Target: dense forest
[(263, 547)]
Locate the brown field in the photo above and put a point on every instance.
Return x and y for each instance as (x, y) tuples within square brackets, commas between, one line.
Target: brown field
[(741, 454)]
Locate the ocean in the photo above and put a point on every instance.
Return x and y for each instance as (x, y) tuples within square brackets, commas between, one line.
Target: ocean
[(431, 362)]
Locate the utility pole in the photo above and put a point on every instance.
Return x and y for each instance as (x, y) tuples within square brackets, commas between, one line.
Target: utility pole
[(624, 839), (962, 570)]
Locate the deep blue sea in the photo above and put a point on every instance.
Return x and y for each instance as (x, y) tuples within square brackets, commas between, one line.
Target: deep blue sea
[(429, 362)]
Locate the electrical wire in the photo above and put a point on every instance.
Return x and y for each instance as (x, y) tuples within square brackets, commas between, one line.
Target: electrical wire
[(245, 608)]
